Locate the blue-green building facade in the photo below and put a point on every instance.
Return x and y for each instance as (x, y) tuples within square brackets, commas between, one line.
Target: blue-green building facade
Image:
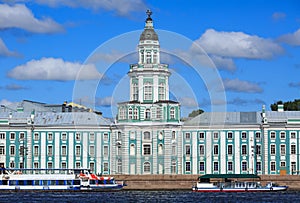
[(148, 136)]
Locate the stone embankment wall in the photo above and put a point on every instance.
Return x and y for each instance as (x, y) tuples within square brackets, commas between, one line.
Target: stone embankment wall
[(185, 182)]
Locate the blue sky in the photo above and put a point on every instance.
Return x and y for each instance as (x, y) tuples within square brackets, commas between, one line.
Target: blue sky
[(254, 46)]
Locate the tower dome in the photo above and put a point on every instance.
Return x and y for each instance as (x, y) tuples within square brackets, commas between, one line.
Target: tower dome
[(149, 33)]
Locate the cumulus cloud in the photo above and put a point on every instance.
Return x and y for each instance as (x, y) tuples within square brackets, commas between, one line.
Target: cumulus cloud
[(291, 39), (5, 102), (14, 87), (54, 69), (106, 101), (19, 16), (223, 63), (244, 102), (121, 7), (188, 102), (238, 45), (237, 85), (278, 15), (4, 50)]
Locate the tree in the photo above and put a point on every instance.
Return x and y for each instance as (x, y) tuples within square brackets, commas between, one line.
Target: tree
[(287, 106), (196, 113)]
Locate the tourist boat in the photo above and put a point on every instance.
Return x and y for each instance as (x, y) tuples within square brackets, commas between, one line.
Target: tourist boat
[(55, 179), (39, 179), (93, 182), (230, 183)]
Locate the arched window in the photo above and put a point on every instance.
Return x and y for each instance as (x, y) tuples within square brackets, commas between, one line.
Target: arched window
[(147, 91), (161, 91), (135, 114), (147, 167), (135, 92), (148, 115), (172, 113), (148, 57), (160, 149), (121, 113), (119, 165), (132, 150), (130, 113)]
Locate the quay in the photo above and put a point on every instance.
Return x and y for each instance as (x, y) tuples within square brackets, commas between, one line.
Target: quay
[(185, 182)]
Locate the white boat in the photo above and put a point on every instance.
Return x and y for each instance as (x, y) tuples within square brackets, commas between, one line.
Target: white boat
[(229, 185), (39, 179), (55, 179), (100, 183)]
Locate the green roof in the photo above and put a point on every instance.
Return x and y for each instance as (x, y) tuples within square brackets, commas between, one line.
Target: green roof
[(229, 176)]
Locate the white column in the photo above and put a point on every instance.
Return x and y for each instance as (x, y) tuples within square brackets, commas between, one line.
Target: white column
[(194, 153), (57, 147), (43, 150), (209, 153), (237, 155), (223, 152)]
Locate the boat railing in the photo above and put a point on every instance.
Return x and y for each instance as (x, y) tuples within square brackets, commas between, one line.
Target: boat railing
[(30, 171)]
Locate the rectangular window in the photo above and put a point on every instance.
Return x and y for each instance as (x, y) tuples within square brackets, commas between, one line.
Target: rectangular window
[(273, 135), (216, 135), (282, 164), (12, 150), (50, 136), (50, 150), (12, 136), (63, 150), (282, 149), (282, 135), (21, 136), (77, 136), (50, 165), (293, 135), (77, 165), (92, 150), (244, 166), (273, 166), (12, 164), (105, 167), (2, 150), (257, 135), (36, 136), (258, 150), (173, 167), (64, 136), (293, 166), (2, 136), (92, 166), (36, 151), (216, 149), (187, 150), (201, 149), (229, 135), (92, 136), (201, 166), (244, 135), (258, 166), (229, 165), (187, 136), (35, 165), (187, 166), (201, 135), (216, 166), (146, 149), (63, 165), (105, 137), (273, 149), (229, 149), (173, 135), (293, 149), (244, 149), (77, 150), (105, 151), (148, 91)]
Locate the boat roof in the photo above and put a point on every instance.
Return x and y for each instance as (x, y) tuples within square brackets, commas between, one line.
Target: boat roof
[(228, 176)]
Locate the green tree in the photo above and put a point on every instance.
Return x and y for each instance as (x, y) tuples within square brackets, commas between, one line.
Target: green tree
[(287, 106), (196, 113)]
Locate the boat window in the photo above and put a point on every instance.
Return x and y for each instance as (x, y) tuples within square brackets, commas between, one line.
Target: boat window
[(52, 182), (3, 182), (12, 182), (36, 182), (101, 182), (93, 182), (21, 182), (29, 182), (69, 182), (45, 182), (76, 182), (61, 182)]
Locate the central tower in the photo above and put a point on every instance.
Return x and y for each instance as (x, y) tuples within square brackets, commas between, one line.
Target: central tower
[(149, 84)]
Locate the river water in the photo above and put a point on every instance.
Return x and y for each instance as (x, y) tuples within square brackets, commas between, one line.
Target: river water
[(148, 196)]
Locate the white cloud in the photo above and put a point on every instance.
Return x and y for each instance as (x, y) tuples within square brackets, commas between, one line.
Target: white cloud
[(223, 63), (292, 38), (19, 16), (5, 102), (106, 101), (188, 102), (4, 50), (121, 7), (54, 69), (278, 15), (238, 45), (237, 85)]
